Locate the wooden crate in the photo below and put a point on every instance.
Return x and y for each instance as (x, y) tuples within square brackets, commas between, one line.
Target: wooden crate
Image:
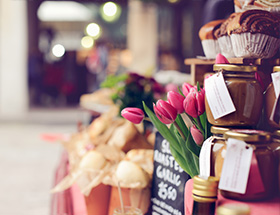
[(199, 67)]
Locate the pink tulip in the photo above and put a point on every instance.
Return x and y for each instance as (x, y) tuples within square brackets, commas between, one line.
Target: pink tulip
[(186, 87), (171, 87), (165, 112), (176, 100), (221, 59), (259, 79), (197, 135), (194, 103), (134, 115)]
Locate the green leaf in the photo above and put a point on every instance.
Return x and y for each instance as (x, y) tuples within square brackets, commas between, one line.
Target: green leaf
[(190, 161), (192, 146), (198, 87), (179, 120)]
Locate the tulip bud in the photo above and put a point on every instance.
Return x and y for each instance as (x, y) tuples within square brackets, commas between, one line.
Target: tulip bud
[(134, 115), (165, 112), (194, 103), (221, 59), (197, 135), (176, 100), (186, 87)]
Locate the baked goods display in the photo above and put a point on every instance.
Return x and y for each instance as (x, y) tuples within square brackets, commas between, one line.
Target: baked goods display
[(249, 34), (208, 38)]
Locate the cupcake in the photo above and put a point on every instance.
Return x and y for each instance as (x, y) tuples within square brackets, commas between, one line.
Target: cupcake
[(208, 39), (254, 34), (224, 39), (271, 5)]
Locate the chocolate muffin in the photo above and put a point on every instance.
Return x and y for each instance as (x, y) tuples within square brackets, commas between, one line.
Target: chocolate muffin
[(208, 39), (254, 34), (224, 39)]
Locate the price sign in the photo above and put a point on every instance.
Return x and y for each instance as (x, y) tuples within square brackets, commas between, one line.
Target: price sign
[(168, 181)]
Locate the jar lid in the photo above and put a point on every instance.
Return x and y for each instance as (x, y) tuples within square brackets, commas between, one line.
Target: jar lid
[(248, 135), (234, 68), (276, 69), (233, 209), (204, 188), (218, 130), (276, 134)]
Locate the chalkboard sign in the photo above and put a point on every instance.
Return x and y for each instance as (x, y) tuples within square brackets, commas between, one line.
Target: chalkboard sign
[(168, 181)]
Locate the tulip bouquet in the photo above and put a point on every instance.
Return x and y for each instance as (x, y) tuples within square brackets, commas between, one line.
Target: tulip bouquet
[(185, 141)]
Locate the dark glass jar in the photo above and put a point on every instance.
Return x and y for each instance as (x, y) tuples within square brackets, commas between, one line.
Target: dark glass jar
[(270, 99), (205, 191), (260, 142), (218, 150), (245, 92), (275, 145)]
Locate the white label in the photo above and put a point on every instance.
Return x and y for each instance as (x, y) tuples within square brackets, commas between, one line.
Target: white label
[(205, 157), (236, 166), (217, 96), (276, 83)]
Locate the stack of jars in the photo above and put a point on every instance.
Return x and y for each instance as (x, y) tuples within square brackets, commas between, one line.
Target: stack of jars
[(251, 123)]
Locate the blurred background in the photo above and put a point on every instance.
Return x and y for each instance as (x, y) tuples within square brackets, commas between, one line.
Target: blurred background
[(52, 52)]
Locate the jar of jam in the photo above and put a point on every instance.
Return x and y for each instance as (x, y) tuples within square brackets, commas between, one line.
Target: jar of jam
[(245, 92), (270, 99), (218, 150), (275, 145), (265, 164)]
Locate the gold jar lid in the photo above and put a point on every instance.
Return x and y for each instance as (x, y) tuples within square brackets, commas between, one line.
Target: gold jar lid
[(218, 130), (234, 68), (233, 209), (276, 134), (276, 69), (248, 135), (205, 189)]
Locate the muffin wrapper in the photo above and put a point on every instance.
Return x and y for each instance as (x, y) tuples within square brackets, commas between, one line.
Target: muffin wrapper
[(211, 48), (226, 46), (248, 45)]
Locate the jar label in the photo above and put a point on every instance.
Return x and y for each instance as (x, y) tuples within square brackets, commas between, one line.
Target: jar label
[(205, 157), (236, 167), (276, 82), (217, 96)]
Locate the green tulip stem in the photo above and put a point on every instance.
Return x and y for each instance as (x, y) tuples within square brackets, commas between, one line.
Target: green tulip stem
[(199, 125), (180, 131)]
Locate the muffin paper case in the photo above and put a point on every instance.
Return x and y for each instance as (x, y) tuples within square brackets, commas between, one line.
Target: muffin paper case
[(226, 46), (254, 45), (210, 48)]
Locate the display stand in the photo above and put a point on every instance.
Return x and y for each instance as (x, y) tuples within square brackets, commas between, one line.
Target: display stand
[(200, 67)]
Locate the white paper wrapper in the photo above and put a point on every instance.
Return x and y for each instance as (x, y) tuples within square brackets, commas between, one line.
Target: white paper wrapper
[(210, 48), (226, 46), (258, 45)]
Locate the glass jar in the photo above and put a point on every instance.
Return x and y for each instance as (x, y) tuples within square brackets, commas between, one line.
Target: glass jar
[(218, 150), (260, 142), (270, 99), (204, 194), (245, 92), (275, 145), (233, 209), (127, 210)]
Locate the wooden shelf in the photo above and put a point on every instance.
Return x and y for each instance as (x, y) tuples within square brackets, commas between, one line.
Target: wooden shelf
[(200, 67)]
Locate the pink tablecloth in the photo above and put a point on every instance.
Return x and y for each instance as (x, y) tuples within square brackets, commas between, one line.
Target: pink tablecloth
[(270, 207)]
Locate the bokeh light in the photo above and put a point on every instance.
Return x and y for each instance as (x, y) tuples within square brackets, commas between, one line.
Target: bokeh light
[(58, 50), (93, 30), (110, 11), (87, 42)]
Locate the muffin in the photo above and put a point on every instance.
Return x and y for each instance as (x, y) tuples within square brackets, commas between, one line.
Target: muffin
[(224, 39), (240, 4), (271, 5), (208, 39), (254, 34)]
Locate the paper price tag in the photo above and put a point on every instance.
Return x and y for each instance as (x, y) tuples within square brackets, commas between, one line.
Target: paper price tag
[(205, 157), (236, 166), (217, 96), (276, 83)]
